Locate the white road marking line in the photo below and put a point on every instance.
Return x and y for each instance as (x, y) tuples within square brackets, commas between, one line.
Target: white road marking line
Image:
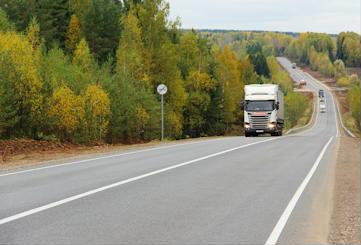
[(105, 157), (335, 107), (303, 74), (277, 230), (94, 191)]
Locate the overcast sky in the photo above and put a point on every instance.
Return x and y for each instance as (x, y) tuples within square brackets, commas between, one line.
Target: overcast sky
[(331, 16)]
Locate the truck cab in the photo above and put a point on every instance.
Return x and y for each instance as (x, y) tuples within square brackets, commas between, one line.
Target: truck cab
[(263, 110)]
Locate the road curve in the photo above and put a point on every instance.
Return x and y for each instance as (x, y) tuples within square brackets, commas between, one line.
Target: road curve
[(232, 190)]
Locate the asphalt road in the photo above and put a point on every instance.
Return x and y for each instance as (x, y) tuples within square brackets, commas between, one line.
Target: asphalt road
[(231, 190)]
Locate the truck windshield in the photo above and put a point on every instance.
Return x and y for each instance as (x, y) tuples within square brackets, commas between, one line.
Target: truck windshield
[(265, 105)]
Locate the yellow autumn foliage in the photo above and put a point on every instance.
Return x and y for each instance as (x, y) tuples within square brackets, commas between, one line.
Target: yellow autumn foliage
[(73, 33), (66, 111), (19, 71), (130, 51), (229, 76), (97, 111), (82, 56), (200, 81)]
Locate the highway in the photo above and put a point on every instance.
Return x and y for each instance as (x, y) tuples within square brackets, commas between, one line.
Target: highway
[(231, 190)]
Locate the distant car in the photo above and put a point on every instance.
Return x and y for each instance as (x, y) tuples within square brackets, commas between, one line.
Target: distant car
[(294, 66), (303, 82), (321, 93), (323, 107)]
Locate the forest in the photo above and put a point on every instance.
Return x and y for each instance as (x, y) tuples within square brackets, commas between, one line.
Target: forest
[(86, 71)]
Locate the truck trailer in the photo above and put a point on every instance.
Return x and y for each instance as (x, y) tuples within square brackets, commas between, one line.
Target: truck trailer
[(263, 110)]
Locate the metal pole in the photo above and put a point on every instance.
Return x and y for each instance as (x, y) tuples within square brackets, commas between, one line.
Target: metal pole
[(162, 119)]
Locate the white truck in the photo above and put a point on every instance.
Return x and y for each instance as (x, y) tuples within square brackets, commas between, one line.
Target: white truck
[(263, 110)]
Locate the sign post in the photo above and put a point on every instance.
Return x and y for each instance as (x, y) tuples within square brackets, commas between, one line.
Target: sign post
[(162, 90)]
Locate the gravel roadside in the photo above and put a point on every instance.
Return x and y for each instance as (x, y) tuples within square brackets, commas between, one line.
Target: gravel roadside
[(345, 225)]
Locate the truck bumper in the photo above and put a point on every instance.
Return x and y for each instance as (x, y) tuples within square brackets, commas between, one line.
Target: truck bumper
[(261, 131)]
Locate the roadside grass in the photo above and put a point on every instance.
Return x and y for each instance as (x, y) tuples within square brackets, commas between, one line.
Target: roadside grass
[(351, 123), (305, 117)]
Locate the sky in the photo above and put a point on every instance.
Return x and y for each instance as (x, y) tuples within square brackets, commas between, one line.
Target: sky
[(330, 16)]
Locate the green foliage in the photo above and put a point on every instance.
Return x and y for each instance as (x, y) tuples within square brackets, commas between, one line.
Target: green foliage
[(354, 79), (20, 12), (354, 102), (343, 81), (349, 48), (347, 81), (340, 70), (79, 8), (294, 50), (73, 34), (258, 59), (229, 77), (322, 43), (134, 112), (53, 17), (5, 23), (87, 70), (248, 75), (20, 84), (195, 113), (279, 76), (295, 106), (303, 48), (33, 34), (56, 70), (188, 53), (130, 53), (82, 57), (321, 62), (100, 25)]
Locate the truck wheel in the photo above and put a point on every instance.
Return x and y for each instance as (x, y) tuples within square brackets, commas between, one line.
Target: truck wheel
[(247, 134)]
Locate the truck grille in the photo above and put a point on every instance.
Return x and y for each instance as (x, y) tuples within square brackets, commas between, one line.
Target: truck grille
[(259, 122)]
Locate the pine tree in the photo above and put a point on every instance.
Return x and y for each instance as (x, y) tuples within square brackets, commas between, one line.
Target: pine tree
[(19, 12), (53, 17), (73, 34), (100, 26), (5, 23), (258, 59)]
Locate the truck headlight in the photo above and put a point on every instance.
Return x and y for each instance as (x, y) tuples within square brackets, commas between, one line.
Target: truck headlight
[(247, 126), (271, 125)]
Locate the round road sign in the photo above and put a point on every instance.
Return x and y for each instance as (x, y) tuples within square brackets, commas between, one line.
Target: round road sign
[(162, 89)]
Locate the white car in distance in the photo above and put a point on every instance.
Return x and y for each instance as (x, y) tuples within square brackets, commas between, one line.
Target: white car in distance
[(322, 107)]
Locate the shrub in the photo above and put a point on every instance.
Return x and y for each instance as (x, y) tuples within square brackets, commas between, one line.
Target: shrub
[(295, 107), (343, 82), (354, 102), (66, 112), (97, 111)]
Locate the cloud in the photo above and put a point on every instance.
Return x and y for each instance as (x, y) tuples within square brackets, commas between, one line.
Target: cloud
[(331, 16)]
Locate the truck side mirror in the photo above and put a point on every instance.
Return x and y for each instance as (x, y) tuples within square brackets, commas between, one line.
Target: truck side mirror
[(242, 105), (277, 105)]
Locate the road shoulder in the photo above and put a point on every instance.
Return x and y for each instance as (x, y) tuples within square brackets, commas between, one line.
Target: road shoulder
[(345, 222)]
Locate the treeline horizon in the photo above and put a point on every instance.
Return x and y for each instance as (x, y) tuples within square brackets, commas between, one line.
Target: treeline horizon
[(289, 33), (87, 70)]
